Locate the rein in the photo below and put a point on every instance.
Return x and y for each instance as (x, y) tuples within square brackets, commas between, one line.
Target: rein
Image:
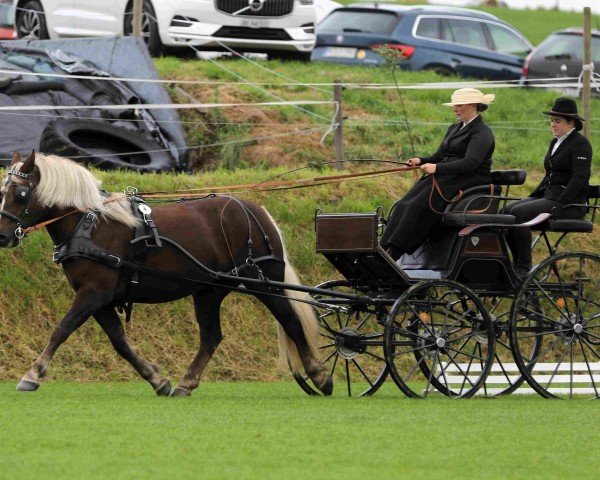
[(26, 231), (278, 185), (435, 187)]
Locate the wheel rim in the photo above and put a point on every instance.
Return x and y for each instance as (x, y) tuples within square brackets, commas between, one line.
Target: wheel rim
[(147, 22), (566, 290), (439, 336), (30, 25), (351, 345)]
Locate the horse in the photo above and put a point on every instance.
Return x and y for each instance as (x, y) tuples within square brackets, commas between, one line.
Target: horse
[(215, 233)]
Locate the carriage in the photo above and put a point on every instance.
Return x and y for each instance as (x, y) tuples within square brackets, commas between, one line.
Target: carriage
[(453, 317)]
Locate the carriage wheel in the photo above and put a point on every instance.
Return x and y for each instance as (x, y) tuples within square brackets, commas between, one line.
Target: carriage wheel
[(562, 297), (351, 345), (439, 335), (503, 379)]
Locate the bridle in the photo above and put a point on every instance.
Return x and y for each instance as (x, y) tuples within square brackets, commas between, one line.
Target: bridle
[(22, 196)]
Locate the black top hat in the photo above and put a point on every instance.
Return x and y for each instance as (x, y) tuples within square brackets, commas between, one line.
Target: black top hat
[(566, 108)]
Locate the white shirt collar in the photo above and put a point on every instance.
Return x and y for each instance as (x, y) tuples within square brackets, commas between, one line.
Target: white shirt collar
[(465, 124), (560, 139)]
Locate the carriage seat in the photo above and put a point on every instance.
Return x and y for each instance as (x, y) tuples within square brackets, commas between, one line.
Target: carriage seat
[(565, 225), (458, 214), (575, 225)]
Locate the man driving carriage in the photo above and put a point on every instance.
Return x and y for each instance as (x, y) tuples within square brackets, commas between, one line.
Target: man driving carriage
[(462, 160)]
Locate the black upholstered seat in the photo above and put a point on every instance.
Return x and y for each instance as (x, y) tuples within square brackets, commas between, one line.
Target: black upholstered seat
[(567, 225)]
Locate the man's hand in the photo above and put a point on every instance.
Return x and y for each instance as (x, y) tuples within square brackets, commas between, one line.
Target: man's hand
[(414, 161), (429, 168)]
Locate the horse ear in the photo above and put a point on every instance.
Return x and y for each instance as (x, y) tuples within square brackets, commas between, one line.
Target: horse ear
[(16, 158), (28, 164)]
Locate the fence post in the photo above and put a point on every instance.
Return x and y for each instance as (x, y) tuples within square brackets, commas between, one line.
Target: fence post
[(587, 73), (137, 18), (338, 133)]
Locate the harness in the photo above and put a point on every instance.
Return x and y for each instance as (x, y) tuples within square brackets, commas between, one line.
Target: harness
[(146, 238)]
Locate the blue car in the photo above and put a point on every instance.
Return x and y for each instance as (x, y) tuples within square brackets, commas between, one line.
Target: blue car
[(452, 41)]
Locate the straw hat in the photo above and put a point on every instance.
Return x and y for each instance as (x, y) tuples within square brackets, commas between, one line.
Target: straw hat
[(465, 96)]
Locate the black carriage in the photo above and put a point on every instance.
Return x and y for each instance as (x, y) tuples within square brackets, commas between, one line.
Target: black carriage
[(454, 317)]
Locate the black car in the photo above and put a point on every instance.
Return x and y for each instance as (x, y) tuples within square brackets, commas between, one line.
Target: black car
[(558, 56), (448, 40)]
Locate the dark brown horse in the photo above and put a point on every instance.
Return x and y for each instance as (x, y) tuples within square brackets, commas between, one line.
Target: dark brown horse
[(214, 231)]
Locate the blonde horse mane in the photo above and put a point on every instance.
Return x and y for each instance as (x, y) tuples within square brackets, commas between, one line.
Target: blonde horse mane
[(64, 183)]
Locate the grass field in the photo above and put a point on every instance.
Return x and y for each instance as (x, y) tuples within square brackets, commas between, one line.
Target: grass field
[(273, 431)]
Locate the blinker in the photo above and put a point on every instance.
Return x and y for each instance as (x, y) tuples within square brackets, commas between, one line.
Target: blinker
[(22, 194)]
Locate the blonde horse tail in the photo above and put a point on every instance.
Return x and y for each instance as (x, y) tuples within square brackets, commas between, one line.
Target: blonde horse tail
[(288, 353)]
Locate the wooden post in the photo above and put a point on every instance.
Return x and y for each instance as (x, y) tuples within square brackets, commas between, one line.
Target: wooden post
[(137, 17), (338, 133), (587, 73)]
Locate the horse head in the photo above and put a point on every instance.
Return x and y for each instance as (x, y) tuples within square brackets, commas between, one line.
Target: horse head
[(19, 207)]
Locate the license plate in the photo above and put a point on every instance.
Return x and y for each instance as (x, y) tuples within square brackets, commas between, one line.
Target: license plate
[(340, 52), (255, 23)]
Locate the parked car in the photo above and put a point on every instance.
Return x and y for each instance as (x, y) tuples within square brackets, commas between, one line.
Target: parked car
[(445, 39), (282, 27), (560, 55), (7, 18)]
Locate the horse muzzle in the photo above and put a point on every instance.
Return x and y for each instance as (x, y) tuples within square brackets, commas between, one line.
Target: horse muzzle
[(8, 241)]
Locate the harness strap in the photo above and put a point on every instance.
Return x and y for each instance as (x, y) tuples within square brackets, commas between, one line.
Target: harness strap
[(80, 245)]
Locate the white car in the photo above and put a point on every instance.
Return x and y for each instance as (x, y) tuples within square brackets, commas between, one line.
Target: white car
[(278, 27)]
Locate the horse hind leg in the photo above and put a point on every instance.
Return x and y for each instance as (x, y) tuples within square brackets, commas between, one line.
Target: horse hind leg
[(288, 314), (112, 326), (207, 304)]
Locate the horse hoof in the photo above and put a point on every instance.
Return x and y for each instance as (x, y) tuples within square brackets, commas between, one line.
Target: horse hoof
[(27, 386), (327, 387), (180, 392), (164, 390)]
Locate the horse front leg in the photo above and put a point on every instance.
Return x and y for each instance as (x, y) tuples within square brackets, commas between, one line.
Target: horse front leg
[(112, 326), (83, 306), (207, 304)]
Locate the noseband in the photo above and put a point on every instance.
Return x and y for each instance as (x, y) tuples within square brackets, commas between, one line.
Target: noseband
[(22, 196)]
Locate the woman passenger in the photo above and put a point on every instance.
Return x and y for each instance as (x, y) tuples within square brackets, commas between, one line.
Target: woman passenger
[(568, 167)]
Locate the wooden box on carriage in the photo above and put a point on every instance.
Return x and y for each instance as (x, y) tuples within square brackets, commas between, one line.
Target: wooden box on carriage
[(346, 232)]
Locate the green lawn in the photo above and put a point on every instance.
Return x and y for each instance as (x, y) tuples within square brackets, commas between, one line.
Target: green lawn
[(273, 431)]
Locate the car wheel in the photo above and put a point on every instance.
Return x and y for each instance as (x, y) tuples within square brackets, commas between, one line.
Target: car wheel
[(150, 32), (31, 22), (441, 70), (104, 146)]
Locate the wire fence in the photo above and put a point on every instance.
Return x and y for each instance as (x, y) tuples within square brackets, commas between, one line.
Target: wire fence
[(320, 87)]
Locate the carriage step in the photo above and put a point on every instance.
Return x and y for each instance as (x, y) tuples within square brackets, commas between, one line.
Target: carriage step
[(582, 378)]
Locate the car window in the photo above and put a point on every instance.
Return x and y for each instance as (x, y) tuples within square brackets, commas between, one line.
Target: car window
[(6, 14), (468, 32), (557, 46), (354, 21), (506, 41), (429, 28)]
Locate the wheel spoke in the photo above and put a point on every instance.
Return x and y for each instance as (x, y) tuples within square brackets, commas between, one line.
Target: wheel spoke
[(466, 354), (348, 378), (587, 363), (363, 373), (552, 302), (562, 357)]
